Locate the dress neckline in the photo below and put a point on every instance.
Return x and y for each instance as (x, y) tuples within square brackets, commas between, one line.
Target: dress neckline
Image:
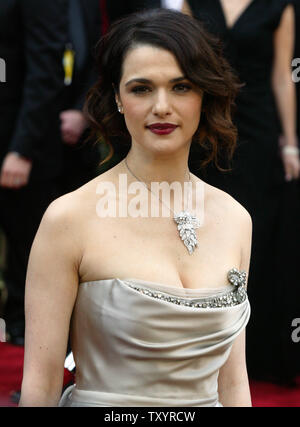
[(239, 17), (160, 286), (165, 286)]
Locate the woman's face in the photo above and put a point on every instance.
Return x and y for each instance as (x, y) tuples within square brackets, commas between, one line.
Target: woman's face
[(161, 107)]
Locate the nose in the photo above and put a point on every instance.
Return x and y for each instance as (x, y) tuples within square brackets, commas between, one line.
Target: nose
[(162, 104)]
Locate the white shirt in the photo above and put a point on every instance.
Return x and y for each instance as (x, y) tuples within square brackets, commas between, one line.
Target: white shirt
[(172, 4)]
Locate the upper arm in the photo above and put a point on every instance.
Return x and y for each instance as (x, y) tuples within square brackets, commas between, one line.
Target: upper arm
[(50, 294), (284, 38), (233, 374)]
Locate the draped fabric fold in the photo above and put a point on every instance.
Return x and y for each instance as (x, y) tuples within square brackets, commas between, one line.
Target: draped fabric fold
[(131, 349)]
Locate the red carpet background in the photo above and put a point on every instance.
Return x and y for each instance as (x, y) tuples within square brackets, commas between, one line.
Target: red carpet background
[(11, 368)]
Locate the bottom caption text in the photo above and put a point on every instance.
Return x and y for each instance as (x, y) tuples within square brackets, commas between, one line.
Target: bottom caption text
[(150, 416)]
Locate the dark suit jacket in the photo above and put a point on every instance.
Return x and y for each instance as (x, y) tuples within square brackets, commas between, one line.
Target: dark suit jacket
[(85, 29), (33, 36), (85, 72)]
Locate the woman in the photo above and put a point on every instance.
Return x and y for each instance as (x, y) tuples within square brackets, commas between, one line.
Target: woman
[(258, 38), (152, 322)]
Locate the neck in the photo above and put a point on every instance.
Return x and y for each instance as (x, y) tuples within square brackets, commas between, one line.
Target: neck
[(157, 168)]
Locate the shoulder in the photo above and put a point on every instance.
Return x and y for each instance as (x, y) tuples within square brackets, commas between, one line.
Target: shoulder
[(281, 10), (63, 228), (62, 210), (224, 204), (233, 216), (64, 219), (72, 211), (238, 221)]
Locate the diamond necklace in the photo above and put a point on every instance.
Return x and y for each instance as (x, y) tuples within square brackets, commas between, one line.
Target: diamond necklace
[(186, 222)]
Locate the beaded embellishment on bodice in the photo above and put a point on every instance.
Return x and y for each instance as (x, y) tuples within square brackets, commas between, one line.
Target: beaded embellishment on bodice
[(228, 299), (142, 343)]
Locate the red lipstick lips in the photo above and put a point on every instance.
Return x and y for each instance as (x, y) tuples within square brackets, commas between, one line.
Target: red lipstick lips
[(162, 128)]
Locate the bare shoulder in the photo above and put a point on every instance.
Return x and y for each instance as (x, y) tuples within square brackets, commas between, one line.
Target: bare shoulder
[(75, 208), (224, 204), (235, 218), (63, 220), (237, 221), (71, 207), (62, 212)]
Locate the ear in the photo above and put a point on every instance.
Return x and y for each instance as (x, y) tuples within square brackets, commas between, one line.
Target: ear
[(118, 101)]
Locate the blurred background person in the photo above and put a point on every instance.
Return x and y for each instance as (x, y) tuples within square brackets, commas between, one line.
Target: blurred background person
[(87, 21), (33, 36), (258, 39), (297, 56)]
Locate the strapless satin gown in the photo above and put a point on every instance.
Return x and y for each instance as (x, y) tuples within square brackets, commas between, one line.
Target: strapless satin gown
[(139, 343)]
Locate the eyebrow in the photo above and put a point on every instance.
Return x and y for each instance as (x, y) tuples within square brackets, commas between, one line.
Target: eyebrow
[(146, 81)]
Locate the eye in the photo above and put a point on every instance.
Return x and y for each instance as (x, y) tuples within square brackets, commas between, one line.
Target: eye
[(140, 90), (182, 87)]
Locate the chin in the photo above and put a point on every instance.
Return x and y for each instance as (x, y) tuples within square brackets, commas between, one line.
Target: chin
[(162, 140), (165, 148), (162, 145)]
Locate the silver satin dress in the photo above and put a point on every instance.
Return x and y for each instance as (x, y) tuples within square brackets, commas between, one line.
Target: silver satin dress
[(138, 343)]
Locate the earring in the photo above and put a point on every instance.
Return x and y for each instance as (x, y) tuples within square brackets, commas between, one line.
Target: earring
[(120, 109)]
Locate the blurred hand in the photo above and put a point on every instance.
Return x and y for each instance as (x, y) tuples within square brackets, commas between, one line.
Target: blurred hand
[(15, 171), (72, 126), (291, 162), (291, 165)]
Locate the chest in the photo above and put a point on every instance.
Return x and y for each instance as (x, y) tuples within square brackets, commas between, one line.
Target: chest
[(151, 249)]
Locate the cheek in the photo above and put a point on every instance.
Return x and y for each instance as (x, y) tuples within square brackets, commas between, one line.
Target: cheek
[(134, 110), (134, 115), (191, 112)]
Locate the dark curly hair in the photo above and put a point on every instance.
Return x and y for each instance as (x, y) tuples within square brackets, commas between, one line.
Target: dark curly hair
[(201, 59)]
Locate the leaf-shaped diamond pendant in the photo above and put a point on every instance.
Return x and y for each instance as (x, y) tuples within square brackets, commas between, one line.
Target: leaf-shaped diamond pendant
[(187, 223)]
